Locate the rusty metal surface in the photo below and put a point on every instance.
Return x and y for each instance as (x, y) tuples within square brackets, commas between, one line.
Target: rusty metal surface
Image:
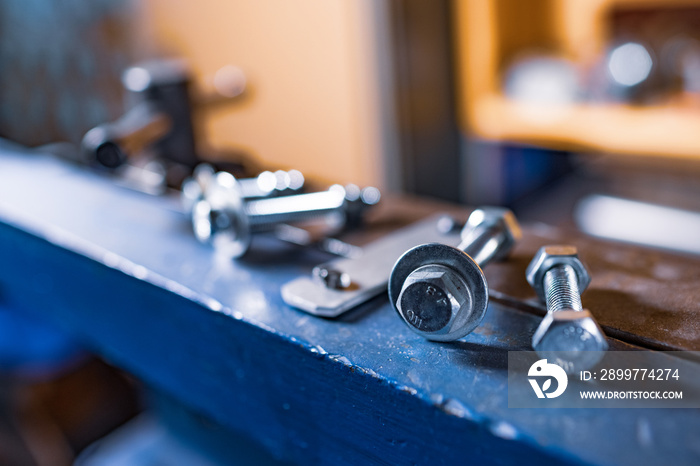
[(640, 295), (643, 296)]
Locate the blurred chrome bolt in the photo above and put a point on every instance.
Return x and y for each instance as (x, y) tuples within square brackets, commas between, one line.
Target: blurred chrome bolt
[(559, 277), (266, 184), (193, 188), (224, 218), (440, 291)]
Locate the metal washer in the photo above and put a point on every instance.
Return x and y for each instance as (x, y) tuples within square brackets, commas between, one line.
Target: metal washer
[(448, 256)]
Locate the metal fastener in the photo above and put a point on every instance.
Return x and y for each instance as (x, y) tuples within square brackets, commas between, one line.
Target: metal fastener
[(266, 184), (559, 277), (341, 284), (224, 218), (440, 291), (331, 278)]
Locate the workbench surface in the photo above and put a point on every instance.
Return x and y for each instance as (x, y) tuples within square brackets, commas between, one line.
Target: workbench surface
[(122, 271)]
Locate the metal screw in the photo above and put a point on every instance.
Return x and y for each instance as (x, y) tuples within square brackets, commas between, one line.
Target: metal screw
[(224, 218), (332, 278), (440, 291), (109, 145), (160, 121), (559, 277), (266, 184)]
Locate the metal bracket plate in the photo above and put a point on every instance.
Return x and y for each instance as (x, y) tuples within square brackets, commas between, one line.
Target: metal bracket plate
[(369, 273)]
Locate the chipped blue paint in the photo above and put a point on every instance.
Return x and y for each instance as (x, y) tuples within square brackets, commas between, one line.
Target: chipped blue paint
[(130, 280)]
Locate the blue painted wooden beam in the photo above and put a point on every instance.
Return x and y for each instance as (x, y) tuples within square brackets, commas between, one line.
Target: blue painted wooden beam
[(122, 272)]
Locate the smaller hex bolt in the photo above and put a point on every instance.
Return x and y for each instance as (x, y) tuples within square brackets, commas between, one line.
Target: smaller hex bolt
[(440, 291), (559, 277)]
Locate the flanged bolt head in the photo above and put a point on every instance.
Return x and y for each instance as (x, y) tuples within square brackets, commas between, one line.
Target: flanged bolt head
[(440, 291)]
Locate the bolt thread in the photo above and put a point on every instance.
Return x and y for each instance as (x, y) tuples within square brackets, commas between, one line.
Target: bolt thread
[(561, 289)]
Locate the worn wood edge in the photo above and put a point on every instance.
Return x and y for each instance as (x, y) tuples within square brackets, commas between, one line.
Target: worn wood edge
[(464, 419)]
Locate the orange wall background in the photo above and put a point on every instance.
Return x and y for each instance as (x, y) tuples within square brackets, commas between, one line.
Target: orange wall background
[(312, 70)]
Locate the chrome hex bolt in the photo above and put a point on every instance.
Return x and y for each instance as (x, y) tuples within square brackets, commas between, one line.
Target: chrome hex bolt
[(193, 188), (440, 291), (559, 277), (225, 219), (266, 184)]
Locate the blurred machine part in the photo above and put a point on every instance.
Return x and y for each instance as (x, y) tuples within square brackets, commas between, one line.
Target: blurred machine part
[(358, 92), (320, 76), (165, 84), (109, 145), (159, 126)]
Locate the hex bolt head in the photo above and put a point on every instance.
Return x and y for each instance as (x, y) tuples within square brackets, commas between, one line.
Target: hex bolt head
[(440, 291), (574, 334), (568, 330), (558, 276), (431, 298)]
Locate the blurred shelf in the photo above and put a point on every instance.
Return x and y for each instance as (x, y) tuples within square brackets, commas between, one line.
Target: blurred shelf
[(493, 34), (648, 131)]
